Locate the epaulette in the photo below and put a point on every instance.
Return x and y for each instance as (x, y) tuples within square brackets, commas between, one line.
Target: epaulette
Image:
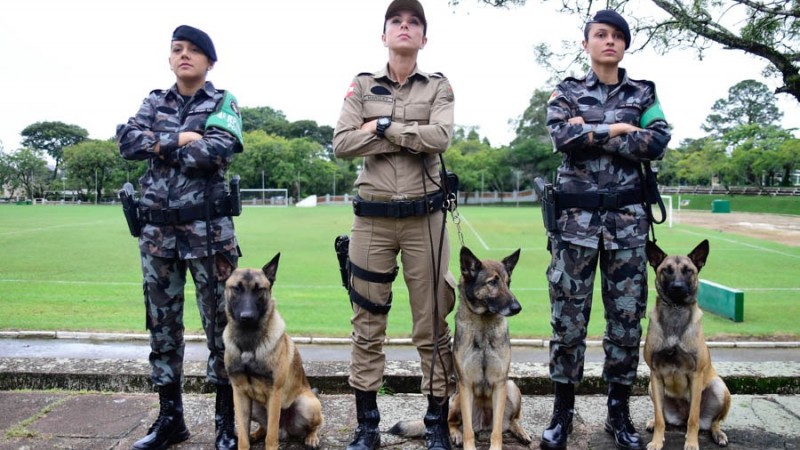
[(361, 74), (438, 74), (157, 91), (647, 82)]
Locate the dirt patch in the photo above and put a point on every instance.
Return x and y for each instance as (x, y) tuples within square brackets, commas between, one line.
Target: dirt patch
[(784, 229)]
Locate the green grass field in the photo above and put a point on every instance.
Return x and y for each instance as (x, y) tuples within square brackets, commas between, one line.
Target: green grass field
[(76, 268)]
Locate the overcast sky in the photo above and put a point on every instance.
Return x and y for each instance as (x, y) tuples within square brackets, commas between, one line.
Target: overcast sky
[(91, 62)]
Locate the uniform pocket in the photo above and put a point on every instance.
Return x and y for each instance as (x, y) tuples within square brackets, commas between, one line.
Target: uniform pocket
[(377, 108), (418, 112)]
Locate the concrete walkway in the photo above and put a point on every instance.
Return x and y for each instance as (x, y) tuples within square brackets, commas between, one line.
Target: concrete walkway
[(54, 396)]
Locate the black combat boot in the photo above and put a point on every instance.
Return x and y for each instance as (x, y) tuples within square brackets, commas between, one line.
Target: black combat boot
[(618, 421), (437, 435), (554, 437), (223, 419), (367, 436), (169, 428)]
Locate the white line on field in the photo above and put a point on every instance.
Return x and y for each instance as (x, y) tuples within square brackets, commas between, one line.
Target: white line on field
[(757, 247), (478, 236), (51, 227)]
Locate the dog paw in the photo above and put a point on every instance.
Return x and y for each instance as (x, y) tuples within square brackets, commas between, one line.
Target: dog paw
[(651, 425), (456, 438), (653, 445), (691, 446), (312, 441), (720, 438)]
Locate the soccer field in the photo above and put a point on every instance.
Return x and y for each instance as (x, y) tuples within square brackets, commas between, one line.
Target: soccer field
[(76, 268)]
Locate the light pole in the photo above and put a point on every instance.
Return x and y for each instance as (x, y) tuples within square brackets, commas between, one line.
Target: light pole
[(482, 187)]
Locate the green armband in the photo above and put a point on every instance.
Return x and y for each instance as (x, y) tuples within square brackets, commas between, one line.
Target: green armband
[(654, 112), (227, 117)]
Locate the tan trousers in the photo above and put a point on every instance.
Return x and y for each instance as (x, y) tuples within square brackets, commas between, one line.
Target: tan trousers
[(374, 245)]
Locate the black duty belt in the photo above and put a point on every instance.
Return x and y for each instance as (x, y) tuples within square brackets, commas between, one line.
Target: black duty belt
[(598, 200), (399, 209), (174, 216)]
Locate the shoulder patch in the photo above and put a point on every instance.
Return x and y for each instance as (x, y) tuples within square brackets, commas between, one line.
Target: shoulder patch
[(350, 89), (227, 117)]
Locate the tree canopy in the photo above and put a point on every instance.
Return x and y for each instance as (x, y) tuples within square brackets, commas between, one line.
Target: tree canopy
[(767, 29), (53, 137)]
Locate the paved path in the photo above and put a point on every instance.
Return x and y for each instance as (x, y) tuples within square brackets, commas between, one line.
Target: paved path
[(94, 394), (81, 420)]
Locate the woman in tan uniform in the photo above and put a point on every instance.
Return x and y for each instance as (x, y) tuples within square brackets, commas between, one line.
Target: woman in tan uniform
[(399, 119)]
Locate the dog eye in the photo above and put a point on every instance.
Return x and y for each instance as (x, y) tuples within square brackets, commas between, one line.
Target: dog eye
[(669, 271), (493, 282)]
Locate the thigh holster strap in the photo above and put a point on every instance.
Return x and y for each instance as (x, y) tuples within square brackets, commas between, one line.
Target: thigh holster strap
[(372, 277), (364, 302)]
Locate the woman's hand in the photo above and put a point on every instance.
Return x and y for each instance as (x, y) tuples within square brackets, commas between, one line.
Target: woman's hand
[(370, 127)]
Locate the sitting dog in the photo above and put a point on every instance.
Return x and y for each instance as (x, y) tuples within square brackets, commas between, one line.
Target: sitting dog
[(486, 399), (684, 387), (264, 365)]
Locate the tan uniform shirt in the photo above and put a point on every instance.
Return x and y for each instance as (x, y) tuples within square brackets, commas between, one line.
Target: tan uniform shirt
[(422, 125)]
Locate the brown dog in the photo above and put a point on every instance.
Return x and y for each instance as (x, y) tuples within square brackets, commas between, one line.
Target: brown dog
[(264, 365), (684, 387), (486, 398)]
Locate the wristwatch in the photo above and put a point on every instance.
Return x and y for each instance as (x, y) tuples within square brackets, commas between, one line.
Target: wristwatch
[(382, 124)]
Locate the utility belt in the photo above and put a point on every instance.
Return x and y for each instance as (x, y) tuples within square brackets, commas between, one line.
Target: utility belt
[(174, 216), (401, 208), (553, 202), (137, 215), (598, 200)]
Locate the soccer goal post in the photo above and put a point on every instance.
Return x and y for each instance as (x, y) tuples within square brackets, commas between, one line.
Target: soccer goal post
[(668, 206), (265, 197)]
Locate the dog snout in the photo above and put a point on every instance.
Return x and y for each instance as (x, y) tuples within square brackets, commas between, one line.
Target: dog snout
[(678, 289), (510, 308), (246, 311)]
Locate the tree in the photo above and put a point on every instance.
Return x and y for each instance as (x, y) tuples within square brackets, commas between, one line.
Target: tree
[(271, 121), (768, 29), (789, 158), (6, 173), (29, 172), (749, 102), (92, 163), (53, 137), (532, 150)]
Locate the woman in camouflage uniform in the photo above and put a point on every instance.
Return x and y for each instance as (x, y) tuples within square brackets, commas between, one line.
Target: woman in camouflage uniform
[(604, 125), (188, 135)]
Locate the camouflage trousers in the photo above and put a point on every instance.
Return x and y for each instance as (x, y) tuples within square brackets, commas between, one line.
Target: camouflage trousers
[(571, 275), (164, 281)]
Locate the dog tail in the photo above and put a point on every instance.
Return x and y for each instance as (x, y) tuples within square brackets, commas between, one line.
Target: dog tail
[(409, 429)]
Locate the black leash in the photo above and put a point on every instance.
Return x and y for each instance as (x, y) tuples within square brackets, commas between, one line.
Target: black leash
[(650, 195), (437, 265)]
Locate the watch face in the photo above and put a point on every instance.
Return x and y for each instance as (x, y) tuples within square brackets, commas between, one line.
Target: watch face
[(383, 121)]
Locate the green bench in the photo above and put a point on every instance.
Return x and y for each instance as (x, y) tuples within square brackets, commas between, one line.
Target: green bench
[(721, 300)]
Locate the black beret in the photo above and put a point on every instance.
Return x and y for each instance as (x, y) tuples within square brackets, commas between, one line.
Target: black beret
[(196, 37), (412, 5), (611, 17)]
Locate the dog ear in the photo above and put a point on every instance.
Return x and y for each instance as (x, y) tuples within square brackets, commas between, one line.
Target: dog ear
[(271, 268), (700, 254), (511, 261), (470, 264), (654, 254)]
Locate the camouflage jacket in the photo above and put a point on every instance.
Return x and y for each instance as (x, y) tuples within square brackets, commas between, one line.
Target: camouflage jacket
[(594, 162), (187, 175)]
